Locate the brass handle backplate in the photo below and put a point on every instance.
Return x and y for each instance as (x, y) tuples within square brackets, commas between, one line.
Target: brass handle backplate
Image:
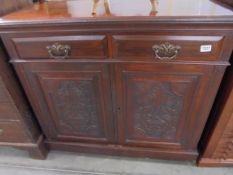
[(59, 51), (166, 51)]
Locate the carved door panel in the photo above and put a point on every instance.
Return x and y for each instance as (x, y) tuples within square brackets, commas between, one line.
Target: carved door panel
[(71, 100), (160, 104)]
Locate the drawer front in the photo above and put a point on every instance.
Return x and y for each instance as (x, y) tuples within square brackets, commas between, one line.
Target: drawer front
[(3, 93), (61, 47), (7, 111), (157, 48), (12, 132)]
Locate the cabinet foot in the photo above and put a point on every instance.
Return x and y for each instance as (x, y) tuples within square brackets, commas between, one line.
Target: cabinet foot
[(39, 151)]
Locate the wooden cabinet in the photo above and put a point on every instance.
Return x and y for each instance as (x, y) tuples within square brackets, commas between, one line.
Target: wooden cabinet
[(139, 107), (73, 100), (18, 126), (217, 142), (118, 105), (158, 104), (136, 86)]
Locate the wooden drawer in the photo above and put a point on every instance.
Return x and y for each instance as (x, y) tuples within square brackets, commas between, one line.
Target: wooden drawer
[(7, 111), (60, 47), (3, 93), (12, 132), (143, 47)]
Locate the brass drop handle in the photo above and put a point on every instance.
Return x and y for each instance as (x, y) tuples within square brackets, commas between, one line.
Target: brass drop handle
[(166, 51), (1, 131), (59, 51)]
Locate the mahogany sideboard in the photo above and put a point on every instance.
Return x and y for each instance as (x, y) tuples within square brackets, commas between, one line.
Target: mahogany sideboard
[(18, 127), (120, 77), (218, 140)]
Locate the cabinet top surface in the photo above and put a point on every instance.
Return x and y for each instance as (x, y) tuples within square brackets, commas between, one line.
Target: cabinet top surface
[(122, 10)]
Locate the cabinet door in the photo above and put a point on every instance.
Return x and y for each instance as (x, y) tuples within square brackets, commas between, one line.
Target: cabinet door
[(72, 100), (162, 105)]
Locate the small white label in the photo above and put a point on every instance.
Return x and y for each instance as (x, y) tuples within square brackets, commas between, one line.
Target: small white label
[(206, 48)]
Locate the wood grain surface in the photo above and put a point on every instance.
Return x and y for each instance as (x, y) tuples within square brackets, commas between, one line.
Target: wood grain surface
[(7, 6)]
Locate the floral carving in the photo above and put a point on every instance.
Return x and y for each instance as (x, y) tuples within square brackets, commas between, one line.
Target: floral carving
[(157, 108), (76, 108)]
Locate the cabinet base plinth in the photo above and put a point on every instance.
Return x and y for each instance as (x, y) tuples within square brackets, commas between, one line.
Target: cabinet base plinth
[(207, 162), (36, 150), (117, 150)]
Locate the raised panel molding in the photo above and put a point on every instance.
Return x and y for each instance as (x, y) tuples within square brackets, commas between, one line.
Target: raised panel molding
[(73, 101), (157, 108)]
